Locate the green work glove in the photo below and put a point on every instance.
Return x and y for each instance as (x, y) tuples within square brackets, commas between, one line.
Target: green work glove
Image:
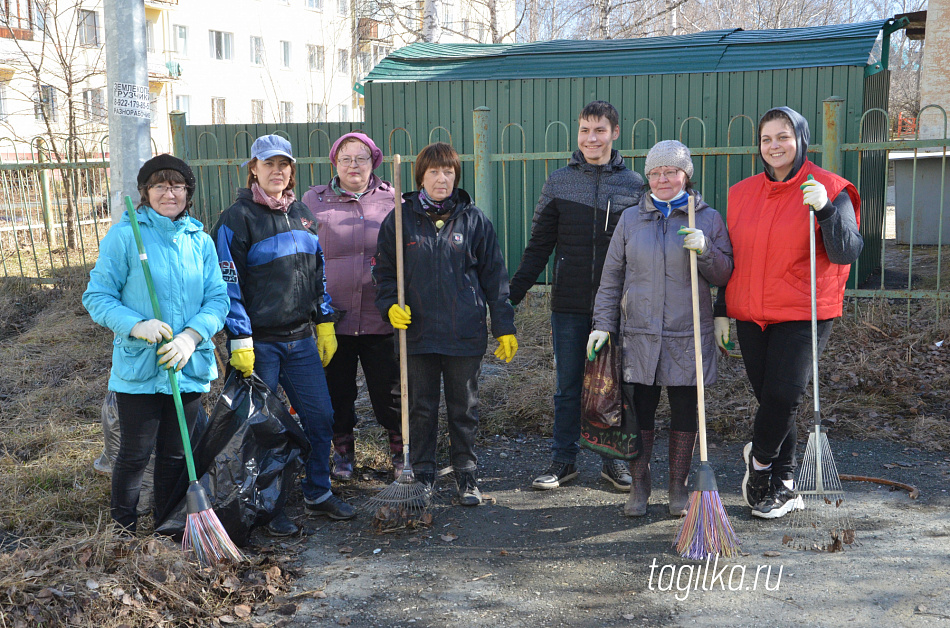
[(596, 342), (814, 194), (242, 356), (326, 342), (721, 326), (507, 347), (175, 354), (152, 330), (694, 240), (398, 317)]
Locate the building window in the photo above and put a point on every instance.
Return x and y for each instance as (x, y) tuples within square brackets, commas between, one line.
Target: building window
[(481, 31), (3, 102), (344, 7), (286, 112), (39, 15), (88, 28), (257, 50), (150, 36), (343, 61), (317, 5), (366, 62), (315, 58), (183, 104), (285, 54), (344, 113), (316, 112), (446, 15), (379, 53), (153, 107), (44, 103), (93, 105), (217, 111), (221, 45), (257, 112), (180, 39)]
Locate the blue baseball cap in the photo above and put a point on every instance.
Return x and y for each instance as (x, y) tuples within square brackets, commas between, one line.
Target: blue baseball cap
[(267, 146)]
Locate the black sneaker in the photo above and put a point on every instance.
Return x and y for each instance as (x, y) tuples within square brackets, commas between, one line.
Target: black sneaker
[(469, 495), (332, 507), (559, 474), (778, 502), (281, 525), (755, 484), (617, 473)]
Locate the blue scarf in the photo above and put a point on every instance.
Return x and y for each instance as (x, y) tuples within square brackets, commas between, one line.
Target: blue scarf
[(665, 207)]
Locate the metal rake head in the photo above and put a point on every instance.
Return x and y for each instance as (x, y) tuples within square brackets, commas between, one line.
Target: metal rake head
[(825, 522)]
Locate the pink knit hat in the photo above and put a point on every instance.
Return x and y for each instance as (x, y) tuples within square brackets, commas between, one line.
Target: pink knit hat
[(374, 152)]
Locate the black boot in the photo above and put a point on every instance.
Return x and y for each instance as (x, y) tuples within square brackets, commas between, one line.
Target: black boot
[(469, 495)]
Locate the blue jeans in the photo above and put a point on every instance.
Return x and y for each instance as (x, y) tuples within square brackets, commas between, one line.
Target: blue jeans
[(297, 368), (570, 332)]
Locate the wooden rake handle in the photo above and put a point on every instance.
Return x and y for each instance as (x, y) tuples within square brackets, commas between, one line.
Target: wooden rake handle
[(401, 300), (697, 340)]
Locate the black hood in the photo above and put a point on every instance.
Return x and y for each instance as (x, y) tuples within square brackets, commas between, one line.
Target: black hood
[(800, 126)]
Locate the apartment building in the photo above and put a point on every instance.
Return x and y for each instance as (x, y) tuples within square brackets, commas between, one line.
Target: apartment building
[(219, 61)]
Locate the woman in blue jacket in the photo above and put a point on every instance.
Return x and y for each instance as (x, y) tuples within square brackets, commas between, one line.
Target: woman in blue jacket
[(194, 301)]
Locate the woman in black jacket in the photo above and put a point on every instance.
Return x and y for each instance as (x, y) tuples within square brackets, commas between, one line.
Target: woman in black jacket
[(454, 270)]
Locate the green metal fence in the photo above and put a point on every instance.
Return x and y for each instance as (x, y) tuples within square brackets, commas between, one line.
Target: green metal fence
[(35, 220)]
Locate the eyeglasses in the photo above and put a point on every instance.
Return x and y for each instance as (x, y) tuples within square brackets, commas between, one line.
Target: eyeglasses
[(666, 174), (348, 161), (163, 189)]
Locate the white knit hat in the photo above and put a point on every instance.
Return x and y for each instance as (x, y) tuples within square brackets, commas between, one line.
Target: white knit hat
[(669, 153)]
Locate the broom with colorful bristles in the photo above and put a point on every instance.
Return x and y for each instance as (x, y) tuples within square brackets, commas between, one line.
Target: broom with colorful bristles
[(706, 528), (204, 535)]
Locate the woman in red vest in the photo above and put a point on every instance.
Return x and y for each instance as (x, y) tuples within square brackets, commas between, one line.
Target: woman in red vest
[(769, 292)]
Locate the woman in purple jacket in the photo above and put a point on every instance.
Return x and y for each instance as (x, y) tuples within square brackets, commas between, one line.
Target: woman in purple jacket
[(349, 211)]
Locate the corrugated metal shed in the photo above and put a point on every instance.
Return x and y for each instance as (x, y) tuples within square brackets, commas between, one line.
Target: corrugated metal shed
[(712, 51)]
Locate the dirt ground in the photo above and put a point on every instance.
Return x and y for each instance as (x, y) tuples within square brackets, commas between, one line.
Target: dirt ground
[(569, 558)]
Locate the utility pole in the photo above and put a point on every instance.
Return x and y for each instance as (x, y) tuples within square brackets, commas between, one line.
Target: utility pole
[(129, 108)]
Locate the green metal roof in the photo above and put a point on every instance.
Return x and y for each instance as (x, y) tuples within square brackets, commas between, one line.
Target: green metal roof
[(732, 50)]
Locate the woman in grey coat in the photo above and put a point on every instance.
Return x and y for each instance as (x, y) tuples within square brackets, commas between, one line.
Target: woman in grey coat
[(645, 297)]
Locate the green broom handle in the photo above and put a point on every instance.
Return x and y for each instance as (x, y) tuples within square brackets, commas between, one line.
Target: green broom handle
[(172, 373)]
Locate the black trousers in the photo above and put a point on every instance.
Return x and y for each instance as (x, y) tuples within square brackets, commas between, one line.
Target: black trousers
[(645, 398), (778, 362), (148, 422), (377, 355), (458, 375)]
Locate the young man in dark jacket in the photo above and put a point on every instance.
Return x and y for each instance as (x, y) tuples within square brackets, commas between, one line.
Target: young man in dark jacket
[(579, 207)]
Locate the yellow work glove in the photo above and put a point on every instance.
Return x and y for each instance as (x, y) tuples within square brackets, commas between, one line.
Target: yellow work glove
[(398, 317), (814, 194), (242, 356), (326, 342), (175, 354), (152, 330), (507, 347)]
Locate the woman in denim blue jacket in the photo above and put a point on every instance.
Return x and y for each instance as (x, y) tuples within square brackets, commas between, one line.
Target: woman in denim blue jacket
[(194, 302)]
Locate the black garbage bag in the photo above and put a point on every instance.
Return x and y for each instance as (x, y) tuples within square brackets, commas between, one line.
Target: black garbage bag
[(247, 460)]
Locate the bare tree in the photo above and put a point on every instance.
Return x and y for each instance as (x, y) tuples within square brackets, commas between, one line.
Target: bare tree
[(66, 59)]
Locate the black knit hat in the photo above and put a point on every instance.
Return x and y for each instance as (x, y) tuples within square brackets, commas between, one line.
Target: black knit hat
[(166, 162)]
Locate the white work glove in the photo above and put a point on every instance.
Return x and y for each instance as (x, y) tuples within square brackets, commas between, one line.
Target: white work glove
[(595, 342), (152, 330), (694, 240), (721, 327), (815, 194), (175, 354)]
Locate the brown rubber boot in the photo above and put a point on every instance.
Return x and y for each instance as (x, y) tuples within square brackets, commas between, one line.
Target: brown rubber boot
[(681, 456), (640, 472)]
